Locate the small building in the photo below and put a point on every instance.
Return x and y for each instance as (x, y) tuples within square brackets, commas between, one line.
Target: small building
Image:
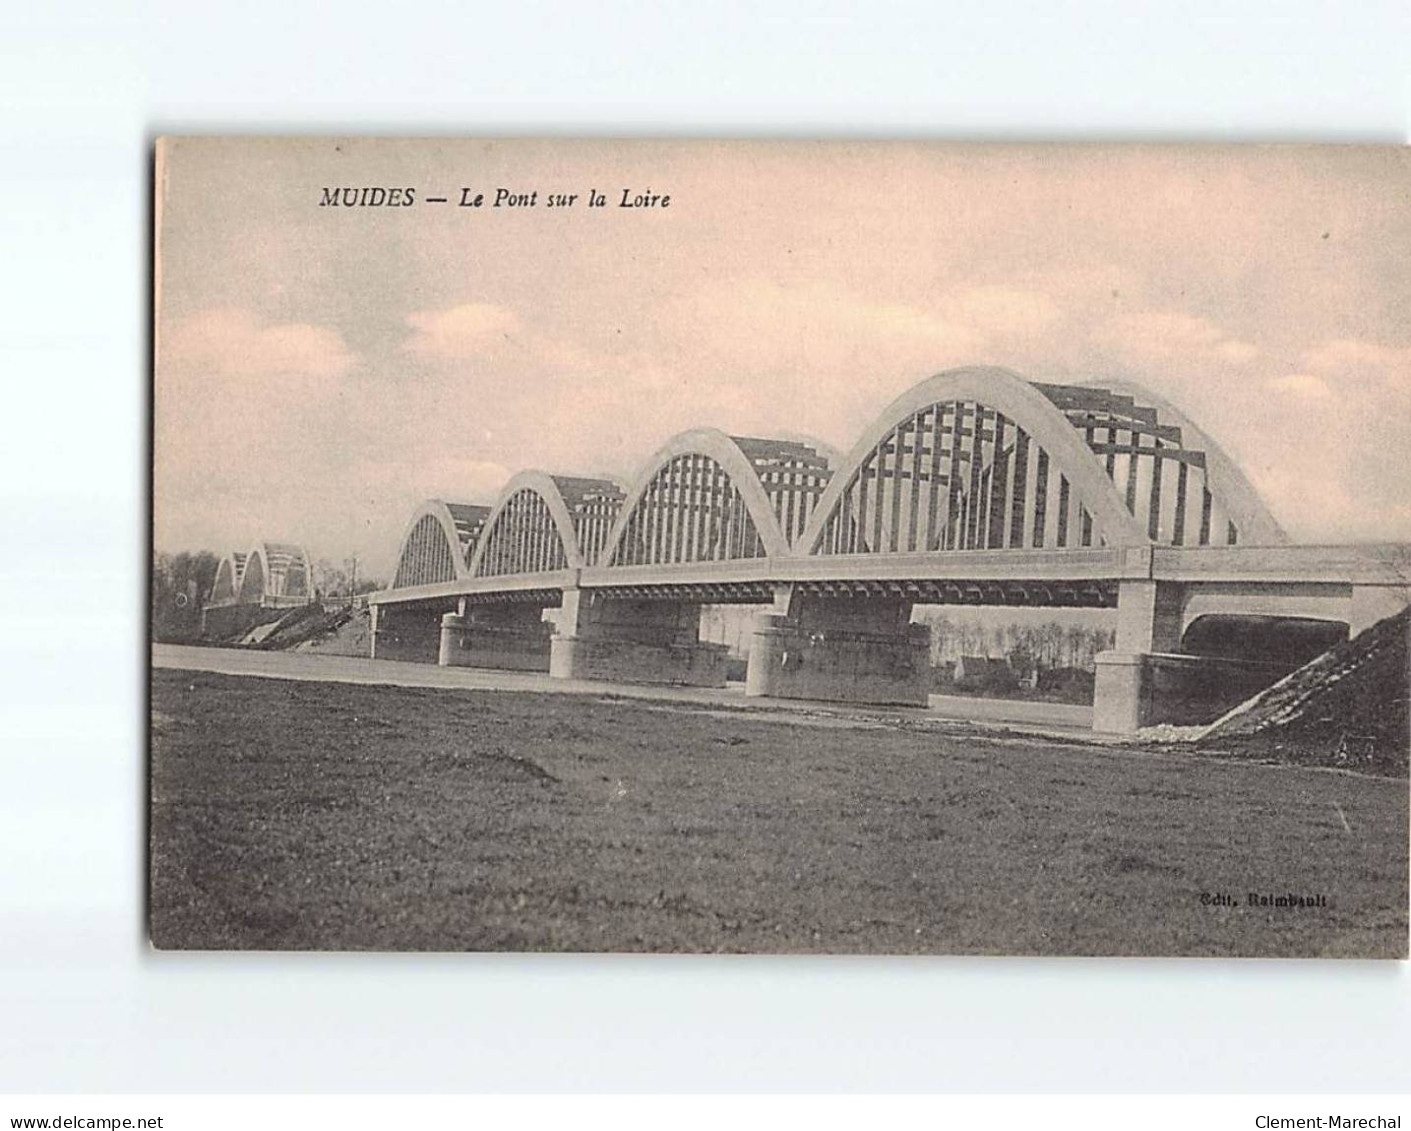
[(1026, 674), (981, 673)]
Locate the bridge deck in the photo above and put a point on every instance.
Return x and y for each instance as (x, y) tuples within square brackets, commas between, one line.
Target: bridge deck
[(1060, 573)]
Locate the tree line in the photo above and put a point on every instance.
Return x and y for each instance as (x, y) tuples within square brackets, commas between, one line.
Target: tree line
[(1045, 646)]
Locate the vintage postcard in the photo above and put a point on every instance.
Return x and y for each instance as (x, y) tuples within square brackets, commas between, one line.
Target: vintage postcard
[(790, 547)]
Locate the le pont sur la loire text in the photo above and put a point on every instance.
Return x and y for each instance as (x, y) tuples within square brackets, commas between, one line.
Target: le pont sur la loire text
[(376, 196)]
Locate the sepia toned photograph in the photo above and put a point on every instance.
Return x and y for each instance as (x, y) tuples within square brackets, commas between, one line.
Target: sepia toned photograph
[(780, 547)]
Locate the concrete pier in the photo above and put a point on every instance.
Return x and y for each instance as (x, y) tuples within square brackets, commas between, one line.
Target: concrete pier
[(511, 637), (608, 638), (841, 649), (1124, 680)]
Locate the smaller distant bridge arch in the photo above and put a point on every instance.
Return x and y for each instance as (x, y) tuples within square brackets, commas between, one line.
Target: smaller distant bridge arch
[(226, 589), (275, 573), (254, 586)]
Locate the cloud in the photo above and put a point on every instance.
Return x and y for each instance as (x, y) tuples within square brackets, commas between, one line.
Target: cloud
[(1346, 409), (1236, 352), (1003, 310), (1349, 363), (246, 417), (1299, 385), (233, 342), (461, 333), (764, 325), (1170, 336), (414, 475)]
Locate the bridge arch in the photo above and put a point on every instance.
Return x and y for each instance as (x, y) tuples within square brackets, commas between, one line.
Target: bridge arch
[(225, 590), (437, 543), (274, 570), (924, 477), (1227, 483), (706, 496), (542, 523)]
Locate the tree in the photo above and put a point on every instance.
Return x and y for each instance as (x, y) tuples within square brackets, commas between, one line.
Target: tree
[(941, 633), (999, 639), (1050, 644), (1075, 636), (331, 581), (181, 584)]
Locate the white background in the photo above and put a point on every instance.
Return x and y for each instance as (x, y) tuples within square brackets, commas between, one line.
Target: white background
[(84, 88)]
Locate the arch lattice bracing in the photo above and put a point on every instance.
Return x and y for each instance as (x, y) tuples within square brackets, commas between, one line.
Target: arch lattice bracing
[(274, 570), (1205, 499), (707, 496), (970, 459), (438, 543), (545, 523)]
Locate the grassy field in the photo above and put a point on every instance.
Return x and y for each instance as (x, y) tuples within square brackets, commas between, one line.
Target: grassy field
[(292, 815)]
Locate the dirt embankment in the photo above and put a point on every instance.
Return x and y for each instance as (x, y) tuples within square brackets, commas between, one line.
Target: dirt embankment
[(337, 631), (1347, 708), (349, 635)]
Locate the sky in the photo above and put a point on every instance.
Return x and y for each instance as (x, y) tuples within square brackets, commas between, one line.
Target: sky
[(321, 370)]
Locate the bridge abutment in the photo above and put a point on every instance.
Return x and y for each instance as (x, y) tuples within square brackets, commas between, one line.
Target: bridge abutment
[(840, 649), (611, 638), (1150, 678), (1371, 603), (510, 637)]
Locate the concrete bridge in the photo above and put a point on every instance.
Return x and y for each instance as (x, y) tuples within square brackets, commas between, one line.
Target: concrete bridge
[(248, 585), (975, 487)]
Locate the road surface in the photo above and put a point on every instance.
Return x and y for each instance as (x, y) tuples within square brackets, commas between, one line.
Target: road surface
[(1016, 714)]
